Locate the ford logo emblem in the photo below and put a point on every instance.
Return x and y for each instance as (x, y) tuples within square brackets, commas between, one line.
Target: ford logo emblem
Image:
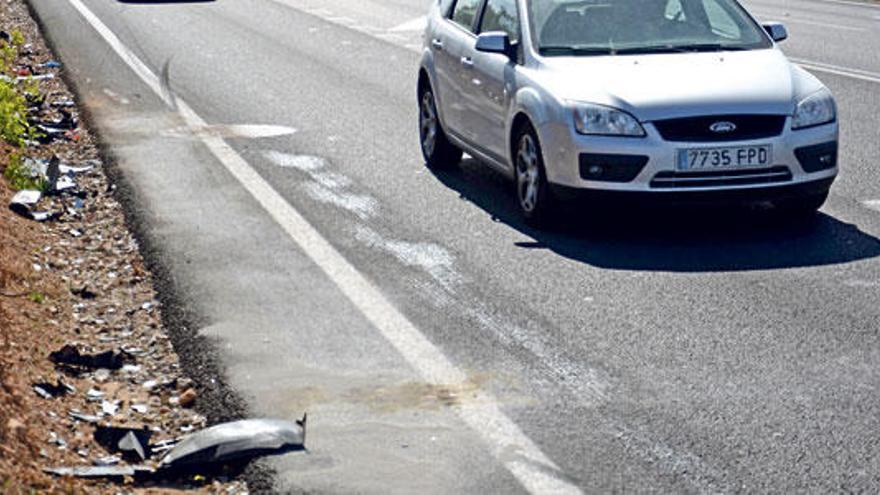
[(722, 127)]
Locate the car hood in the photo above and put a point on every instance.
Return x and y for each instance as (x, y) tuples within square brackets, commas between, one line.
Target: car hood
[(662, 86)]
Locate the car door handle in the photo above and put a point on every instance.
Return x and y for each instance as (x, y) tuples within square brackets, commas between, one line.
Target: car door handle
[(437, 44), (467, 62)]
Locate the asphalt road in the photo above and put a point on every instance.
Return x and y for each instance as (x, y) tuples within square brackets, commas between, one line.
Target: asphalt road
[(438, 343)]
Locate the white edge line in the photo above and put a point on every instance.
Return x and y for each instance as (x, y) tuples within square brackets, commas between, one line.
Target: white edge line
[(854, 4), (837, 70), (531, 467)]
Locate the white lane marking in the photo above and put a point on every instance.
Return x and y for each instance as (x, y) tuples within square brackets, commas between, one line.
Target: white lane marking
[(797, 20), (436, 260), (859, 74), (417, 24), (402, 35), (848, 2), (873, 204), (845, 2), (536, 472)]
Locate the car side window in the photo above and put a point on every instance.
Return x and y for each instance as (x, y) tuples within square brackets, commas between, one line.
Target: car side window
[(720, 21), (674, 11), (465, 12), (501, 15)]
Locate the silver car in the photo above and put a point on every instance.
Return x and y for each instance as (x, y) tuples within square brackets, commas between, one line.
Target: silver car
[(677, 100)]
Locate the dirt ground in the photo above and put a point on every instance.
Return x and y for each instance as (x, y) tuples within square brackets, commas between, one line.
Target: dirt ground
[(79, 280)]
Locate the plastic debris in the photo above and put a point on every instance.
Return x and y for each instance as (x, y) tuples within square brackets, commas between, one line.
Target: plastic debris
[(85, 418), (24, 201), (237, 440), (110, 460), (98, 471), (109, 408), (94, 395), (69, 355), (130, 442), (49, 391)]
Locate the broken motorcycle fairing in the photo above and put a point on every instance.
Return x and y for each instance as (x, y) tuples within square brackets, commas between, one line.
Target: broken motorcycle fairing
[(236, 440)]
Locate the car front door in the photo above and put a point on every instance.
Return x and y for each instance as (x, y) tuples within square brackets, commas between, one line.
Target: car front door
[(490, 81), (449, 40)]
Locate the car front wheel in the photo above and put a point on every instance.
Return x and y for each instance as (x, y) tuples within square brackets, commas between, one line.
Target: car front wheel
[(536, 201), (437, 151)]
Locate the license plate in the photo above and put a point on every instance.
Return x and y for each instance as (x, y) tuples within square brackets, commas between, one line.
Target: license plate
[(720, 158)]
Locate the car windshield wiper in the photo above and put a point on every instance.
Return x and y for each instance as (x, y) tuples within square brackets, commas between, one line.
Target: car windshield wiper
[(575, 50), (699, 47)]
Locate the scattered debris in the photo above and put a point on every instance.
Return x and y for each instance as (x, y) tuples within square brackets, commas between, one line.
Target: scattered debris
[(24, 203), (238, 439), (49, 391), (187, 398), (130, 442), (70, 356), (99, 471), (84, 245), (85, 418)]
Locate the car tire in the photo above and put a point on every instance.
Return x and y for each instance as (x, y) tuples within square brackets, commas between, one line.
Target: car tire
[(534, 197), (803, 207), (437, 151)]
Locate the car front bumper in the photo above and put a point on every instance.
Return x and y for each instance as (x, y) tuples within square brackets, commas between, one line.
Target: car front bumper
[(564, 151)]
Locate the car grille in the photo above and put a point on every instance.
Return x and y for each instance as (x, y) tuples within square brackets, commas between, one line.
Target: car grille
[(716, 178), (697, 129)]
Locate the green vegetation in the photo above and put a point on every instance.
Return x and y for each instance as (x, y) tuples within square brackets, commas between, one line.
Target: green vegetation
[(14, 127), (21, 177), (37, 297)]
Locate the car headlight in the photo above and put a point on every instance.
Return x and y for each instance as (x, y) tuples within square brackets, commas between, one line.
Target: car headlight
[(816, 109), (605, 121)]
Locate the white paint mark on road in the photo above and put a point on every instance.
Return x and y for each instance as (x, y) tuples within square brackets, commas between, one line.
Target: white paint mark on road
[(685, 465), (326, 186), (332, 180), (581, 380), (231, 131), (859, 74), (873, 204), (362, 206), (301, 162), (436, 260), (862, 284), (417, 24), (116, 97), (511, 447)]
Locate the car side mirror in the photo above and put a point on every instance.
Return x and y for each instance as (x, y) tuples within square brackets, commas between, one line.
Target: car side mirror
[(495, 42), (776, 30)]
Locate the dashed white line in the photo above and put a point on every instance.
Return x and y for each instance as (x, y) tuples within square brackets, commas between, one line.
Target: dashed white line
[(536, 472)]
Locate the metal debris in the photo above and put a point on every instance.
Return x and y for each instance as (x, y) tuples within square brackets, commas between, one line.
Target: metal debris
[(236, 440)]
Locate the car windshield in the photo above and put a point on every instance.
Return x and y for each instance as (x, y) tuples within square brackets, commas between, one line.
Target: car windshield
[(608, 27)]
